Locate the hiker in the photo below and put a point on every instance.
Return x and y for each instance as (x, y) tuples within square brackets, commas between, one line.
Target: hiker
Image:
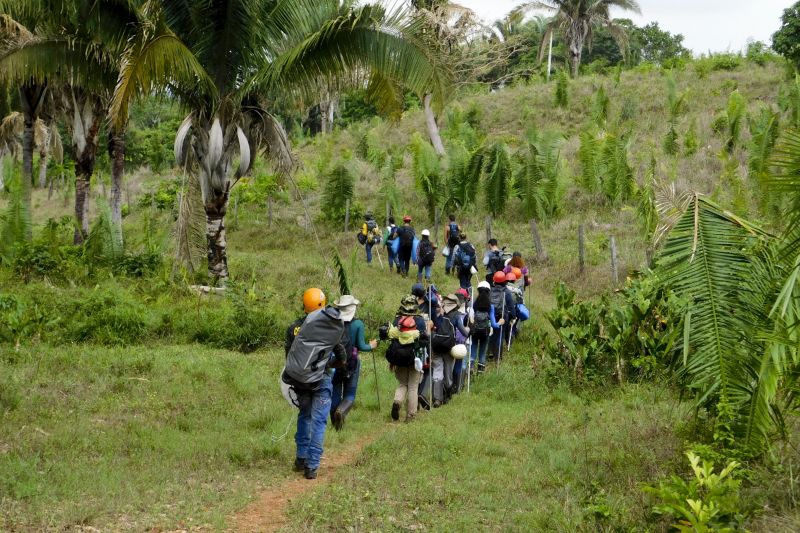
[(406, 235), (482, 324), (369, 235), (428, 306), (345, 380), (493, 259), (313, 299), (462, 314), (518, 262), (426, 253), (318, 346), (390, 234), (464, 261), (452, 237), (516, 297), (504, 309), (409, 338), (453, 311)]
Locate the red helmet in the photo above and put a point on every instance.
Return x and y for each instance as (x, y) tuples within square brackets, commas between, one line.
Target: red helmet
[(499, 277), (464, 293), (407, 218), (511, 277)]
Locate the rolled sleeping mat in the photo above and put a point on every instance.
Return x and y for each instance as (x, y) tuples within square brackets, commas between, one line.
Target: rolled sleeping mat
[(414, 247), (522, 312)]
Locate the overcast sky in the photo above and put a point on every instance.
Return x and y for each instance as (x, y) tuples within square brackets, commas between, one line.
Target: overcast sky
[(707, 25)]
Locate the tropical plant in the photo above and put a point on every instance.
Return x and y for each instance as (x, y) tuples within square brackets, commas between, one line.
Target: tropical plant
[(690, 142), (539, 180), (577, 20), (339, 189), (302, 48), (604, 165), (15, 223), (600, 105), (734, 116), (497, 177), (764, 129), (562, 89), (676, 106), (427, 171)]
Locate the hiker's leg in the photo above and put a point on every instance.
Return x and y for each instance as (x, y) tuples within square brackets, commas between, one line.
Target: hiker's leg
[(420, 268), (402, 384), (428, 273), (338, 388), (350, 385), (303, 434), (320, 407), (484, 345), (369, 252), (413, 383), (449, 365)]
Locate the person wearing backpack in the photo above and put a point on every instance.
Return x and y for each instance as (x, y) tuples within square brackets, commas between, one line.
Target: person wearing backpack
[(451, 237), (318, 347), (409, 338), (493, 259), (442, 341), (345, 380), (453, 312), (370, 234), (390, 234), (313, 299), (429, 307), (464, 261), (406, 235), (462, 314), (426, 254), (482, 324), (505, 310)]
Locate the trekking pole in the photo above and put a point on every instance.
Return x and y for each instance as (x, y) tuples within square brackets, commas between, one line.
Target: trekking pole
[(469, 353), (377, 386), (430, 347), (378, 253), (510, 334), (500, 340)]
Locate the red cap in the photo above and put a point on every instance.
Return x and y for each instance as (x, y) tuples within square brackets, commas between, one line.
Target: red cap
[(499, 277), (407, 218), (464, 293), (511, 277)]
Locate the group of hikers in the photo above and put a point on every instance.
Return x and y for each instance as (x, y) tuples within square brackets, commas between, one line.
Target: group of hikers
[(436, 342)]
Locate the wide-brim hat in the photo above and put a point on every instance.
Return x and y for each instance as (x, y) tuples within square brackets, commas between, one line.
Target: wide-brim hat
[(346, 304), (449, 303), (408, 305)]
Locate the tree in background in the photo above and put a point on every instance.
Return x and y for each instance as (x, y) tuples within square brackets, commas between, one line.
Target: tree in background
[(577, 20), (786, 41)]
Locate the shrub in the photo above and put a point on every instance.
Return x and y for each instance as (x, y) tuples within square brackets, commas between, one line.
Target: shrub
[(108, 315)]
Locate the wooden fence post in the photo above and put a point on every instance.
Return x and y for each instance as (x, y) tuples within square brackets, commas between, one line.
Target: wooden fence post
[(347, 215), (541, 253), (581, 250), (488, 228), (236, 211), (269, 211), (614, 277)]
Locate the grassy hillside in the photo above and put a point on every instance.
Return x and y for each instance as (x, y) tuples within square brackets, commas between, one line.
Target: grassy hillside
[(126, 402)]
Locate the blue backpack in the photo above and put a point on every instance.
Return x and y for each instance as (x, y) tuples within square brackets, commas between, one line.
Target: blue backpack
[(466, 255)]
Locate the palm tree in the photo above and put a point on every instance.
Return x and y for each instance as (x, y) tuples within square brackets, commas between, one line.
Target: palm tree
[(71, 52), (576, 19), (234, 57)]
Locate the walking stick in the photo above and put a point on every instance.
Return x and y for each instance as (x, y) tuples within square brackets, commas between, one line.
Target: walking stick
[(500, 339), (469, 352), (377, 387), (430, 346), (378, 253)]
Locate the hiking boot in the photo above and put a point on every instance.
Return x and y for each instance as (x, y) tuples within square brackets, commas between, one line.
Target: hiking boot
[(410, 418), (423, 403), (437, 404), (395, 411), (341, 413), (481, 368), (299, 464), (310, 473)]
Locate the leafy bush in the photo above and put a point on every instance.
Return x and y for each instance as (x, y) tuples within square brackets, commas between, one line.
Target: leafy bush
[(163, 197), (108, 315), (339, 189), (707, 502), (562, 89)]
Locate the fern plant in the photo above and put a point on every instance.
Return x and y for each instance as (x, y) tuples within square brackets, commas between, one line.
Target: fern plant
[(497, 180), (15, 223), (646, 210), (370, 150), (104, 243), (462, 183), (600, 106), (618, 182), (427, 171), (562, 89), (734, 116), (538, 181), (339, 188), (341, 273), (690, 142), (589, 156), (764, 129)]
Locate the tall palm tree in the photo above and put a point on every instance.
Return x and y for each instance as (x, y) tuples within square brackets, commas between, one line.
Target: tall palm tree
[(239, 55), (576, 19), (71, 50)]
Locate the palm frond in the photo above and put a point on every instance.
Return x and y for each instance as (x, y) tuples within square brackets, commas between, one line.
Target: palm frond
[(497, 178), (190, 228), (341, 274)]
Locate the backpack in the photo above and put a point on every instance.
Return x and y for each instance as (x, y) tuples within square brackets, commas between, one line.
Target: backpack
[(402, 355), (444, 336), (466, 255), (454, 317), (311, 349), (452, 240), (362, 239), (373, 234), (498, 298), (349, 349), (389, 233), (425, 254), (406, 235), (482, 322), (496, 262)]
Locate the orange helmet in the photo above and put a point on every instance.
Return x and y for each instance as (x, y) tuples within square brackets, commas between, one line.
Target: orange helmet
[(499, 277), (511, 277), (517, 272), (313, 299)]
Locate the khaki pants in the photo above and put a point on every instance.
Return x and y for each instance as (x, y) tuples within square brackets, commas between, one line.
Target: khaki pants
[(407, 384)]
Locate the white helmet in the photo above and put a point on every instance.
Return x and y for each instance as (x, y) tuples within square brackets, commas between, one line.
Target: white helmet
[(289, 393), (484, 285), (459, 351)]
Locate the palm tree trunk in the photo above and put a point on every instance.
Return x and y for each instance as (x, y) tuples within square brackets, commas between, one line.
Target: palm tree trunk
[(44, 150), (575, 53), (27, 161), (84, 168), (433, 127), (215, 208), (116, 151), (2, 171)]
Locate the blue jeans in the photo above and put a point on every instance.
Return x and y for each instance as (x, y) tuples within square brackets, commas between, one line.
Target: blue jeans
[(344, 386), (311, 422), (426, 270), (369, 246), (465, 279), (392, 258), (479, 347), (448, 264)]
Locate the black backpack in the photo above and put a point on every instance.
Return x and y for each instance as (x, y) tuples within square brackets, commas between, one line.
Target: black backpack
[(498, 298), (495, 262), (482, 322), (402, 355), (452, 240), (425, 254), (444, 336), (406, 235)]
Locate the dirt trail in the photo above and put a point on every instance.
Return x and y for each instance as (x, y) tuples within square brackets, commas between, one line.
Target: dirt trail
[(268, 511)]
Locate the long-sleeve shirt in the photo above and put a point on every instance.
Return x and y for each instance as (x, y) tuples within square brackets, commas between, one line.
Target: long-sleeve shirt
[(356, 332)]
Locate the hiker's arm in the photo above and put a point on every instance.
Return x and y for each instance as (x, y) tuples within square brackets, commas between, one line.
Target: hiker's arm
[(361, 342), (460, 325), (287, 342), (495, 323)]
